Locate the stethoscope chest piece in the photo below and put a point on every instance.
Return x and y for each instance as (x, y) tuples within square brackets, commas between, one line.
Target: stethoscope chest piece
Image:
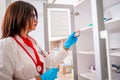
[(39, 68)]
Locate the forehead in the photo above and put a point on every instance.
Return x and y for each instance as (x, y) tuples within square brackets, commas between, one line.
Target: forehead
[(33, 12)]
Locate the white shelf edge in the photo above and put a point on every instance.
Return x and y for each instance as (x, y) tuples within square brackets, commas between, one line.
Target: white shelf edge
[(86, 28), (115, 54), (57, 38), (113, 25), (86, 52), (112, 20), (89, 75)]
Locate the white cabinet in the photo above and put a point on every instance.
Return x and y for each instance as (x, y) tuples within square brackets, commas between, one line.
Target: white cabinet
[(86, 54), (85, 44), (95, 55), (111, 35)]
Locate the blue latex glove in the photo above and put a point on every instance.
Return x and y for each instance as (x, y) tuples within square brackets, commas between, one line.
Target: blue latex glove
[(50, 74), (70, 41)]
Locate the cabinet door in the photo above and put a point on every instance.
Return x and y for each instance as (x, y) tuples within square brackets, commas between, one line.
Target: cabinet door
[(58, 24)]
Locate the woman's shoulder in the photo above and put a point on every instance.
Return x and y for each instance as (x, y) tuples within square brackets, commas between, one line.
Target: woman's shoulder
[(9, 41)]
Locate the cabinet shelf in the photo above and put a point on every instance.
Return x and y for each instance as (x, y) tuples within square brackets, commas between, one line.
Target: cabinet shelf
[(89, 75), (113, 25), (111, 35), (86, 52), (86, 29), (57, 38)]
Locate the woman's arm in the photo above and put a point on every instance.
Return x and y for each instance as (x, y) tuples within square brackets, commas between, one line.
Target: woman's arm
[(53, 60), (7, 59)]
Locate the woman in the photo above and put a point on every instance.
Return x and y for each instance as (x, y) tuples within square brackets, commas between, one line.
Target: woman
[(20, 56)]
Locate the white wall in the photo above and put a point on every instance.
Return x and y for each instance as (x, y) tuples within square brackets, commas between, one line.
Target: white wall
[(85, 17), (38, 34), (113, 11), (2, 10), (3, 6), (115, 41)]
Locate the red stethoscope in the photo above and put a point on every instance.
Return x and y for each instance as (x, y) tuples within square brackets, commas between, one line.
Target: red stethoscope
[(39, 64)]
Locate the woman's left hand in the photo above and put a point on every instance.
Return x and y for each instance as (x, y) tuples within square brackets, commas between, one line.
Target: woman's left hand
[(50, 74)]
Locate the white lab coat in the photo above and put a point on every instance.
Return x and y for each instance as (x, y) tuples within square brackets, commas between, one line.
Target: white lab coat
[(15, 64)]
